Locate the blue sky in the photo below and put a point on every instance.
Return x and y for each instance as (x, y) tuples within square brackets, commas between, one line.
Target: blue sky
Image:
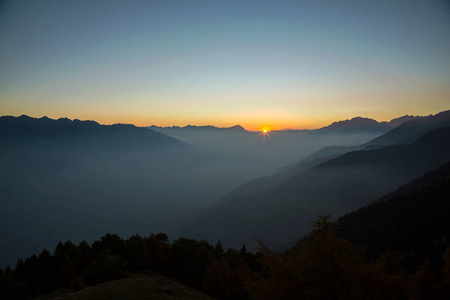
[(297, 64)]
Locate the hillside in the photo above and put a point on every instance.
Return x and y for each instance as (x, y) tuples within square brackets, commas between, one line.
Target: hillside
[(412, 220), (137, 286)]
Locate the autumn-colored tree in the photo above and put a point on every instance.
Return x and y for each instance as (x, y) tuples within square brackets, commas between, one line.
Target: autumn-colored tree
[(446, 268), (107, 267), (216, 278), (158, 250), (423, 282), (326, 267), (66, 269), (197, 267), (387, 277)]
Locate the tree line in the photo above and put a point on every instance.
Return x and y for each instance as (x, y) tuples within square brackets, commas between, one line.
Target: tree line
[(324, 266), (195, 263)]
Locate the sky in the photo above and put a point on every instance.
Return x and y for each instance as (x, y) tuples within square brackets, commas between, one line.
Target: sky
[(282, 64)]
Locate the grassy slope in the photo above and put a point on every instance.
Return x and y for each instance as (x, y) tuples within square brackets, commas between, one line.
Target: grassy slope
[(137, 286)]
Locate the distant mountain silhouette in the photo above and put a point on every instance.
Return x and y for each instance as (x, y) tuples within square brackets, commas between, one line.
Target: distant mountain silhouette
[(398, 121), (359, 123), (409, 131), (280, 213), (193, 127), (237, 127), (80, 133)]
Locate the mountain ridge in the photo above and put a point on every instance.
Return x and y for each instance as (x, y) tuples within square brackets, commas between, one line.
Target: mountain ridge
[(362, 123), (62, 129), (195, 127), (408, 131)]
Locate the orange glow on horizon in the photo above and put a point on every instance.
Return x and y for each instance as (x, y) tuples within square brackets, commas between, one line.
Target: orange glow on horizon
[(143, 120), (265, 128)]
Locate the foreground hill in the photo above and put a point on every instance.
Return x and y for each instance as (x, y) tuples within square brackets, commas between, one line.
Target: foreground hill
[(279, 214), (137, 286)]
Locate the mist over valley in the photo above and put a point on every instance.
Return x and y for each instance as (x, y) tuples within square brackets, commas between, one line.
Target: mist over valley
[(77, 180)]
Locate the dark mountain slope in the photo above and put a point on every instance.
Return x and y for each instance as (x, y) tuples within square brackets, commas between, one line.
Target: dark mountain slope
[(412, 130), (413, 219), (278, 215)]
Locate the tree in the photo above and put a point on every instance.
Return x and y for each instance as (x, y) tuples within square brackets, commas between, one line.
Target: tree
[(198, 266), (423, 282), (326, 267), (217, 278)]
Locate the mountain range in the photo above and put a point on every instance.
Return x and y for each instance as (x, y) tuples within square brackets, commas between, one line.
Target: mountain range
[(65, 130), (194, 127), (360, 123)]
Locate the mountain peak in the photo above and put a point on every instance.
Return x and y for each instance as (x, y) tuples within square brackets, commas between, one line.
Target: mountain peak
[(355, 123), (400, 120), (237, 127)]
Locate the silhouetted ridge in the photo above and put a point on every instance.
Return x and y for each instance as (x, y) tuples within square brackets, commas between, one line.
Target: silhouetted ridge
[(409, 131), (360, 123), (238, 127), (28, 128), (195, 127), (398, 121), (357, 122)]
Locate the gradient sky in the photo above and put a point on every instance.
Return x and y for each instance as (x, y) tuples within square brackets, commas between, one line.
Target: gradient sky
[(296, 64)]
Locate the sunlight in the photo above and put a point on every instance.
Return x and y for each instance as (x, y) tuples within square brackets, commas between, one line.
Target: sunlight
[(264, 132), (265, 129)]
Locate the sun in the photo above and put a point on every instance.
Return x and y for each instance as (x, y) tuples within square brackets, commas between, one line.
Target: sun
[(265, 130)]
